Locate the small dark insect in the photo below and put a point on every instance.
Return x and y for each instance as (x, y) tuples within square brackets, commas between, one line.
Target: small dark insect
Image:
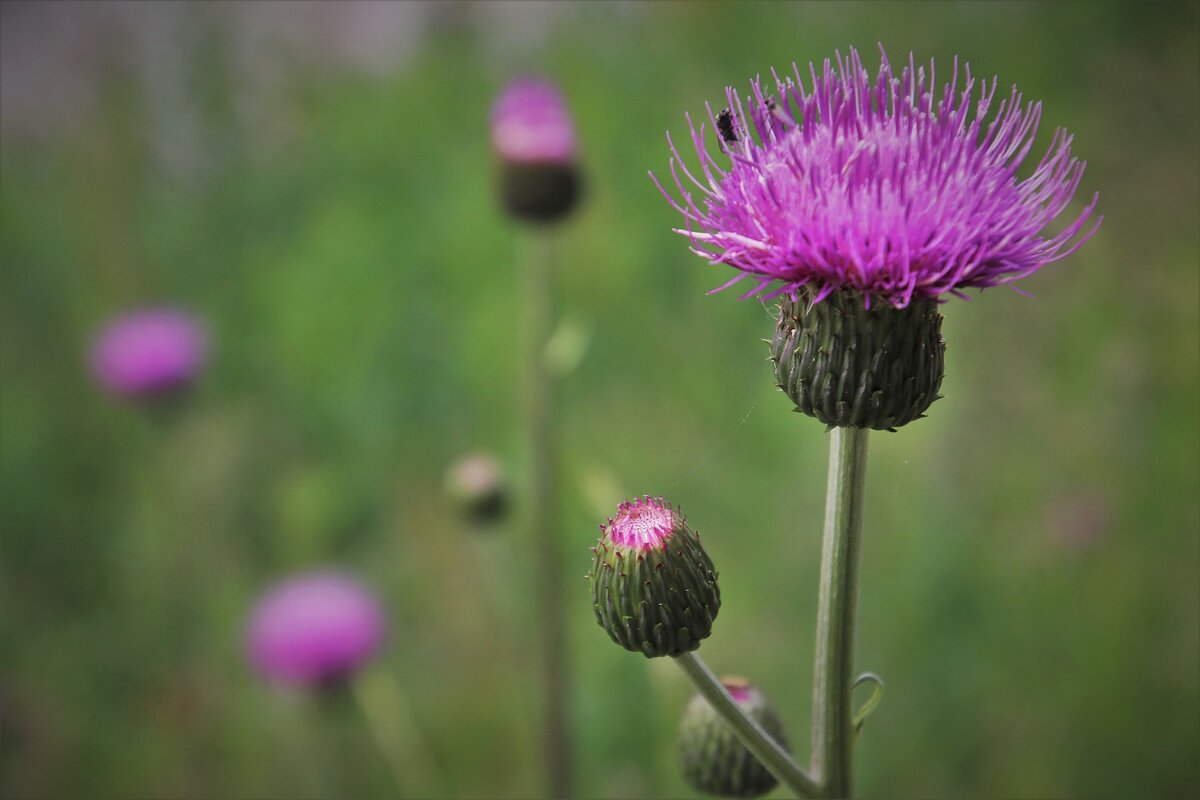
[(725, 126)]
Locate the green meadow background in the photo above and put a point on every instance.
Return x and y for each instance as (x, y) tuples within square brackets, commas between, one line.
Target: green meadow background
[(1031, 556)]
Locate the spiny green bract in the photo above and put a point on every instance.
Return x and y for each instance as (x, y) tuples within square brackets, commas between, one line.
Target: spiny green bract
[(853, 367)]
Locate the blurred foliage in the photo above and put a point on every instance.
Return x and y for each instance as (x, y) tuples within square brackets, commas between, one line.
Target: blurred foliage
[(1032, 550)]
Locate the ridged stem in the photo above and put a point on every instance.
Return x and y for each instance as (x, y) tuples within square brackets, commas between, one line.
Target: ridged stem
[(832, 728), (769, 752), (541, 429)]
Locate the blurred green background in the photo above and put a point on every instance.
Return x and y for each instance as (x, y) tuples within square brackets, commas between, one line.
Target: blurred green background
[(316, 181)]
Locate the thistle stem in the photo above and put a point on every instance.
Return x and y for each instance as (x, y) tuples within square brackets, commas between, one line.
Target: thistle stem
[(392, 725), (832, 728), (541, 428), (757, 741)]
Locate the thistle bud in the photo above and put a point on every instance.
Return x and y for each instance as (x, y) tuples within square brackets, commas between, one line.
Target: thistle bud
[(853, 366), (476, 484), (713, 760), (534, 139), (654, 589)]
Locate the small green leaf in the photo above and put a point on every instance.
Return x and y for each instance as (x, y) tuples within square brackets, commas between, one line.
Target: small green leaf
[(872, 701)]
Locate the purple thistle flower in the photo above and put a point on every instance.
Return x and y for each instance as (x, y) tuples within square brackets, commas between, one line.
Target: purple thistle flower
[(539, 179), (531, 124), (314, 629), (891, 187), (149, 352)]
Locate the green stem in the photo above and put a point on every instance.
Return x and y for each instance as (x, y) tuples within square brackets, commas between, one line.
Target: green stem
[(153, 576), (393, 727), (541, 427), (832, 728), (757, 741)]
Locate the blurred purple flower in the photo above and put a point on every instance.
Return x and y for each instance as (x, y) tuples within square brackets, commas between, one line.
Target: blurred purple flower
[(314, 629), (531, 124), (149, 352), (890, 187)]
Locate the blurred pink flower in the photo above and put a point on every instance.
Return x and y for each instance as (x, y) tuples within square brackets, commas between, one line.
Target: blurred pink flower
[(531, 124), (314, 628), (149, 352)]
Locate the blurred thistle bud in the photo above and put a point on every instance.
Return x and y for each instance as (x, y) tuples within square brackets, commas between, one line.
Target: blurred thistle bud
[(853, 363), (476, 484), (534, 138), (654, 589), (149, 354), (314, 629), (713, 760)]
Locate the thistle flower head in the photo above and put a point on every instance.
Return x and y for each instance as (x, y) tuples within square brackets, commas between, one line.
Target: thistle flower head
[(149, 352), (654, 588), (314, 629), (894, 187), (531, 124), (712, 758), (533, 137)]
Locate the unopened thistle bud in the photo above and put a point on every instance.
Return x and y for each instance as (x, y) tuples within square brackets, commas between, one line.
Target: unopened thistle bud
[(853, 366), (534, 140), (476, 484), (654, 588), (713, 760)]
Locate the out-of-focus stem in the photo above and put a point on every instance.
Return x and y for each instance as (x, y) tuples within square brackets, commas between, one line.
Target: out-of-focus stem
[(542, 508), (749, 732), (389, 718), (832, 728)]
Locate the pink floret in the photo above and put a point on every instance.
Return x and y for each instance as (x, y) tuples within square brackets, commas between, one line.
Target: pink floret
[(642, 524)]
